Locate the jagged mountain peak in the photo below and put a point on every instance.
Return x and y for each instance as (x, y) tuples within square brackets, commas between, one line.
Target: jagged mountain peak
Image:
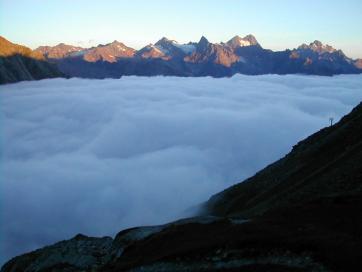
[(63, 46), (237, 41), (203, 44), (115, 42), (151, 46), (319, 47), (203, 40), (109, 52), (236, 38), (316, 43), (151, 51), (251, 38), (61, 50), (165, 42), (173, 49)]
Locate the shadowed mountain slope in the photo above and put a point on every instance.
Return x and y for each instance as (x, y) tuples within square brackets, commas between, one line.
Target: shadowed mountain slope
[(327, 163), (301, 213), (19, 63)]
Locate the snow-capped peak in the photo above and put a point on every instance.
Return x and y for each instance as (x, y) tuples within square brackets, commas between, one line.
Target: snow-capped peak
[(166, 40), (166, 46), (186, 48), (237, 41), (156, 48), (319, 47)]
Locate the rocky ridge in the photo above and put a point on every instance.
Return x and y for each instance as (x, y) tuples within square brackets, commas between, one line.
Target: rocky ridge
[(170, 58), (238, 55)]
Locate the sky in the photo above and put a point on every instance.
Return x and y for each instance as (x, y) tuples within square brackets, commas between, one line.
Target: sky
[(277, 24), (97, 156)]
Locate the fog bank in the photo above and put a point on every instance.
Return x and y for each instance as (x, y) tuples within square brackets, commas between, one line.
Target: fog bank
[(97, 156)]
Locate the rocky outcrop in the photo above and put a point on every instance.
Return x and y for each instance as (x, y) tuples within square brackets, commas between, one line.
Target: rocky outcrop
[(80, 253)]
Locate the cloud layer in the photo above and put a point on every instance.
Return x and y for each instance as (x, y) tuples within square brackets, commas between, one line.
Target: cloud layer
[(96, 156)]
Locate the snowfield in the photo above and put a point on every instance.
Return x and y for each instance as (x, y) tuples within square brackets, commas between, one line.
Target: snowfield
[(96, 156)]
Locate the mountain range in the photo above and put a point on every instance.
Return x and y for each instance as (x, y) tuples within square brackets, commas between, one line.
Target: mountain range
[(168, 57), (301, 213)]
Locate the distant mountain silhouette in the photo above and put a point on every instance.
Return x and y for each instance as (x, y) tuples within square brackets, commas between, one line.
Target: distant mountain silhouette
[(168, 57), (19, 63)]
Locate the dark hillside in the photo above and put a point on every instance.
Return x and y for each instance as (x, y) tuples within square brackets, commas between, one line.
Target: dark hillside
[(328, 163), (19, 63)]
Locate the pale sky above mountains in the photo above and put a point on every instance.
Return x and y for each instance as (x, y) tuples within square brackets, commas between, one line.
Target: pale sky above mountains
[(276, 24)]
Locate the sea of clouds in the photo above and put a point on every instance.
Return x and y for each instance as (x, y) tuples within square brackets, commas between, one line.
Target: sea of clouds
[(97, 156)]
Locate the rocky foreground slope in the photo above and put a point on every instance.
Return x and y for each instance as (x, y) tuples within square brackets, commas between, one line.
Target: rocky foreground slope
[(19, 63), (301, 213)]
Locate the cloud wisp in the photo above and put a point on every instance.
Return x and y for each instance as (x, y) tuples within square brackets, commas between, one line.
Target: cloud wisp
[(96, 156)]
